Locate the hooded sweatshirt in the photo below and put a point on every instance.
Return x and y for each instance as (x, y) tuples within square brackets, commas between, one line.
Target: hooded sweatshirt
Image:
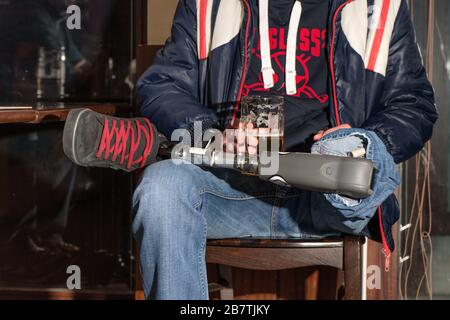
[(291, 44)]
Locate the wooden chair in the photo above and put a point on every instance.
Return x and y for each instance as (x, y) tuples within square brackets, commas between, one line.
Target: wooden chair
[(280, 254)]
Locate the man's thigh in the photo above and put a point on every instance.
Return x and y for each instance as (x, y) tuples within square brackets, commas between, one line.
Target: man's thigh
[(231, 204), (235, 205)]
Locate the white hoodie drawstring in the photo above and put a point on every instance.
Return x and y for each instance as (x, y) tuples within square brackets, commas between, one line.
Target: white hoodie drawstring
[(291, 71), (266, 62)]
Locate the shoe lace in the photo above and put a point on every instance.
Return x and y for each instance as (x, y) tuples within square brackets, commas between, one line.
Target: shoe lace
[(125, 135)]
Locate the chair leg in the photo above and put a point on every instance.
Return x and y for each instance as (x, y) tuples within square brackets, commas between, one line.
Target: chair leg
[(352, 268), (220, 282), (226, 273)]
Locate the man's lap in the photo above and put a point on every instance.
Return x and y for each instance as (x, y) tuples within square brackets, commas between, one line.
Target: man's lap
[(235, 205)]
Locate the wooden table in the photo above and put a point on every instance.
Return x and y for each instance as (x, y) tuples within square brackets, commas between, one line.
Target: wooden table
[(49, 112)]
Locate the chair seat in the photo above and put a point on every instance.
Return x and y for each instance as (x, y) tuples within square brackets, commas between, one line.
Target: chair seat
[(253, 242), (252, 253), (275, 254)]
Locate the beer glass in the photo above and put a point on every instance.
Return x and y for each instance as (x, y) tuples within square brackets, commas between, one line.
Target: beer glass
[(262, 119)]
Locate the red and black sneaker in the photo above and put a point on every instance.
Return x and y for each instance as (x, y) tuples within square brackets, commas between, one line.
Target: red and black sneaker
[(92, 139)]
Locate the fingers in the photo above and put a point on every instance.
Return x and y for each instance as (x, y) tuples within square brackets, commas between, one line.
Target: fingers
[(244, 140), (241, 138), (319, 135), (343, 126), (252, 139), (228, 142)]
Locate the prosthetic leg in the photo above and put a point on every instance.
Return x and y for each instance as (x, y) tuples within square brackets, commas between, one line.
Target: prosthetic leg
[(95, 140), (349, 176)]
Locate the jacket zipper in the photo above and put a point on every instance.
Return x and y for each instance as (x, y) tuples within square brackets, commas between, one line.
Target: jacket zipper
[(244, 68), (386, 251), (333, 80)]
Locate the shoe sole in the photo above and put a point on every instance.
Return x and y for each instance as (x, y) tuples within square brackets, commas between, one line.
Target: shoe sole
[(70, 133)]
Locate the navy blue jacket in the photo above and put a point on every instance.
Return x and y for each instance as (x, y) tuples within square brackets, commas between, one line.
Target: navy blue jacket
[(377, 79)]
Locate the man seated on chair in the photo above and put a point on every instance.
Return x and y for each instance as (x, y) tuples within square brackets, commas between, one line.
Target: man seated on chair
[(347, 70)]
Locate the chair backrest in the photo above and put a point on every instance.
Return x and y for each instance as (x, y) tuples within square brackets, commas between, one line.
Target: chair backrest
[(145, 55)]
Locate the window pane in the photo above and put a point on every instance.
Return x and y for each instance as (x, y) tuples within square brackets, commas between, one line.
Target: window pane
[(43, 58)]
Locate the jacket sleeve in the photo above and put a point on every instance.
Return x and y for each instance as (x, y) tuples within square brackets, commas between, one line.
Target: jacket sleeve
[(169, 90), (408, 111)]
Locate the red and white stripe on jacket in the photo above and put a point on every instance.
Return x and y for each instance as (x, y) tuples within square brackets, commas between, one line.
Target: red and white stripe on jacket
[(372, 46)]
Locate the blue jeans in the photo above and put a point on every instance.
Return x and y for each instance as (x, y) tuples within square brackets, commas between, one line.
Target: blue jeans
[(179, 206)]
